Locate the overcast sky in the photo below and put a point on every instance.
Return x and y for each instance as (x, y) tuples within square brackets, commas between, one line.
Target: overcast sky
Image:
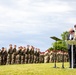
[(32, 22)]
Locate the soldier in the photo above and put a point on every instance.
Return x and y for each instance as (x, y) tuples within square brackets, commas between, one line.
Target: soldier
[(51, 56), (37, 54), (41, 57), (20, 54), (10, 52), (27, 52), (14, 54), (32, 54), (17, 56), (59, 56), (48, 58), (3, 56), (24, 54)]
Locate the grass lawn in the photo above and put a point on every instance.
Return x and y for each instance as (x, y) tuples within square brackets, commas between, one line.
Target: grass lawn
[(36, 69)]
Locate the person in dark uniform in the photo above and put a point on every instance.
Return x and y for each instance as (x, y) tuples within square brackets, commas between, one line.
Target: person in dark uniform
[(24, 54), (10, 52), (71, 37), (37, 54), (3, 56), (27, 52), (14, 54), (75, 40), (20, 54), (32, 54), (17, 55)]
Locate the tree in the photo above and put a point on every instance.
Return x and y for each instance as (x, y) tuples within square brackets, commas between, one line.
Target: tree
[(60, 45), (64, 35), (51, 48)]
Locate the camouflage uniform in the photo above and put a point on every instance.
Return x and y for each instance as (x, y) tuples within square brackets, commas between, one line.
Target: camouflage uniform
[(10, 52), (24, 55), (37, 56), (14, 55), (41, 59), (32, 55), (20, 54), (3, 56), (28, 54)]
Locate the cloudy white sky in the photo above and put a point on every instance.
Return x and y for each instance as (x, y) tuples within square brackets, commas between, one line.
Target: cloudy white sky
[(32, 22)]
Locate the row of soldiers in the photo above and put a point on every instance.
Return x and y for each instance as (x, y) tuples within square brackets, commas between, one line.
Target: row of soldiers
[(22, 55), (59, 56)]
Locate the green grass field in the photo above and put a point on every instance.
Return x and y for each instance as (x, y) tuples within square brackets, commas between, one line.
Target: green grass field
[(36, 69)]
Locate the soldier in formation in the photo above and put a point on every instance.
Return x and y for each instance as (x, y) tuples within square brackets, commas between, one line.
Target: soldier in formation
[(10, 54), (3, 56), (14, 54), (27, 55)]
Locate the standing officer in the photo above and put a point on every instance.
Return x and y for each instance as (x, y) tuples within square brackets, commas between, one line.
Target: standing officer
[(10, 52), (27, 52), (24, 54), (37, 54), (14, 54), (3, 56), (20, 54), (32, 54)]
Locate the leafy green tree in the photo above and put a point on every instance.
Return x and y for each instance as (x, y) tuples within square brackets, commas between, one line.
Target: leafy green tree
[(60, 45), (64, 35), (51, 48)]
